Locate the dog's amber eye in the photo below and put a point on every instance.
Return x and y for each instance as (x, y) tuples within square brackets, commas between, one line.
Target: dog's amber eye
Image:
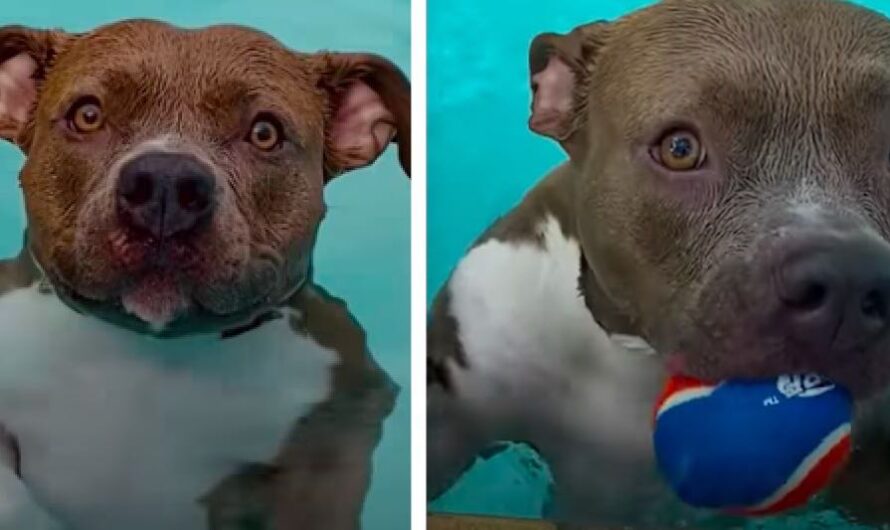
[(86, 116), (265, 133), (680, 150)]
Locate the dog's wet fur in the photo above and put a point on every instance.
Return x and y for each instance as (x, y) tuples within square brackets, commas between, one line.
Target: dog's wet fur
[(175, 364), (790, 101), (195, 93)]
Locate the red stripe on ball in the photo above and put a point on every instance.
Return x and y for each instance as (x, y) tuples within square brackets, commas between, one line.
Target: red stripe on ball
[(820, 475), (676, 383)]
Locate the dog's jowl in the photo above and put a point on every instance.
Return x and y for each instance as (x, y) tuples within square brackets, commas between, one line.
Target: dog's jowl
[(722, 213), (168, 360)]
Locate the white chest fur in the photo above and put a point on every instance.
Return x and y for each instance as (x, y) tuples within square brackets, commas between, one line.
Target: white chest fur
[(534, 350), (118, 430), (541, 369)]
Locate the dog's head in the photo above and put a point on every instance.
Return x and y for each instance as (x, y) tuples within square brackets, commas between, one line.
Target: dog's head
[(732, 162), (173, 178)]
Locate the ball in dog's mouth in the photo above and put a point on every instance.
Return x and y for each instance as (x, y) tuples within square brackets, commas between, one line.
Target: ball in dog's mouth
[(752, 447), (682, 365), (156, 299)]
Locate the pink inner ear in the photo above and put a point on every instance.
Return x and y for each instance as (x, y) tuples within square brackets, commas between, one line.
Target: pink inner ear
[(17, 91), (362, 126), (552, 100)]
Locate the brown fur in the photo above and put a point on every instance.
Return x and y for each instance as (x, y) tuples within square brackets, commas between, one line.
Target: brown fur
[(321, 475), (204, 87)]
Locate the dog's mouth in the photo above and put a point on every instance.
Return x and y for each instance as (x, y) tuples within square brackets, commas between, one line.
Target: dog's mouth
[(156, 298), (675, 364), (206, 280), (157, 276), (168, 288), (727, 365), (138, 253), (159, 306), (862, 372), (736, 327)]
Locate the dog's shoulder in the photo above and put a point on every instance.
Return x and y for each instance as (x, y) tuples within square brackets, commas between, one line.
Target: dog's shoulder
[(529, 258), (551, 198), (327, 321), (513, 322)]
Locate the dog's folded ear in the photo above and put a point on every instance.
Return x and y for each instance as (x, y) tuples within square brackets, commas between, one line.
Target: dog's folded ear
[(370, 106), (25, 56), (560, 67)]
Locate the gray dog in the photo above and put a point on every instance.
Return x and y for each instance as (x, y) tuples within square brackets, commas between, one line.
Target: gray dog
[(726, 202)]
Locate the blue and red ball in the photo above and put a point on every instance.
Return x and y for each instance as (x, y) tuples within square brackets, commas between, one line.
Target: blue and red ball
[(751, 447)]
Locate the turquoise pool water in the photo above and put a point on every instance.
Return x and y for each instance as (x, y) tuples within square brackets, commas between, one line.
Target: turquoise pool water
[(368, 220), (482, 160)]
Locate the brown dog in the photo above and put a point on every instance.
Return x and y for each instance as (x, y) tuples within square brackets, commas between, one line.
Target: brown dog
[(726, 199), (173, 188)]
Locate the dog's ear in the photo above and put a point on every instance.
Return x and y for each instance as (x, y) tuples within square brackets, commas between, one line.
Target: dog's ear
[(25, 56), (370, 106), (560, 67)]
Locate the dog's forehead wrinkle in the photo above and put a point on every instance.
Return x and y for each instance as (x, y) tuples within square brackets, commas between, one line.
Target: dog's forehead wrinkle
[(152, 77), (185, 63), (803, 61), (764, 101), (137, 33)]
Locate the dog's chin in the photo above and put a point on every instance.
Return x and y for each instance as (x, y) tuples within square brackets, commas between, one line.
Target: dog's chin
[(157, 299), (168, 293), (707, 368), (862, 373)]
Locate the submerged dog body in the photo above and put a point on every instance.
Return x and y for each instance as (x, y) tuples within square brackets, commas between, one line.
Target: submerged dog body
[(515, 354), (172, 363), (725, 200), (273, 426)]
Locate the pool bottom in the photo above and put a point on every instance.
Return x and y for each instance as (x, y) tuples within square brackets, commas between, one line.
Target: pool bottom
[(511, 489)]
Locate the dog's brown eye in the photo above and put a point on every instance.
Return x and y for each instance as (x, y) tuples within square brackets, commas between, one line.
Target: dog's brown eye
[(680, 150), (265, 133), (86, 116)]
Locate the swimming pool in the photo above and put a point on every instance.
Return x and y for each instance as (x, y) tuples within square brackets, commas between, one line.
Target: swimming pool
[(374, 233), (482, 160)]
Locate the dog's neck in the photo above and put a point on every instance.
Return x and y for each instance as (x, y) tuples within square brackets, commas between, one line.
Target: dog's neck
[(557, 193), (607, 314), (27, 266), (556, 198)]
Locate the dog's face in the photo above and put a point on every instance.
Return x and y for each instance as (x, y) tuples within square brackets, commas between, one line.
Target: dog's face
[(733, 180), (174, 178)]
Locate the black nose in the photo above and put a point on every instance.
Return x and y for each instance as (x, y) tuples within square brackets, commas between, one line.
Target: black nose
[(165, 194), (835, 290)]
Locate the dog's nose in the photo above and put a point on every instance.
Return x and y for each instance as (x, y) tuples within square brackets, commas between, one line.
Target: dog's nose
[(834, 290), (165, 194)]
